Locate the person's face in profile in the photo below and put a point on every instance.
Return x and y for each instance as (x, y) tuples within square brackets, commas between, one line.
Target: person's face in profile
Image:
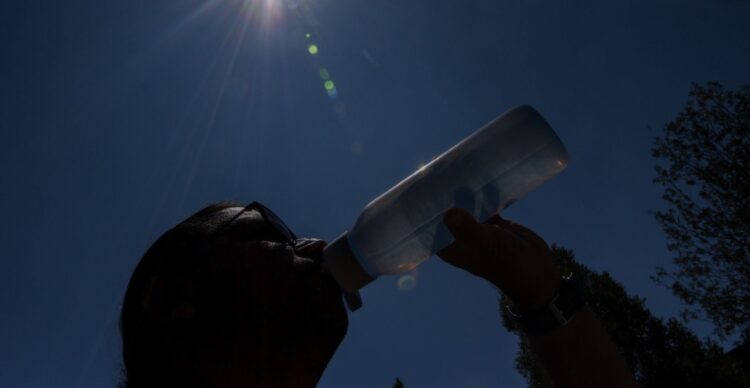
[(271, 294)]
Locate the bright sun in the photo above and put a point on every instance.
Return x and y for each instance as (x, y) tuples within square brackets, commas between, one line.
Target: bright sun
[(266, 12)]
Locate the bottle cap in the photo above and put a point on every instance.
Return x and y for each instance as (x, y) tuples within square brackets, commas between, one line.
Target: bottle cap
[(341, 263)]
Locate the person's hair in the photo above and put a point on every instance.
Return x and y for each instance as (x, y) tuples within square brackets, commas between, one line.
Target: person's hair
[(156, 353)]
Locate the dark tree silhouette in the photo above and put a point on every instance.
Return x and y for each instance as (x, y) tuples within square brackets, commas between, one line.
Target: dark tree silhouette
[(703, 160), (660, 353)]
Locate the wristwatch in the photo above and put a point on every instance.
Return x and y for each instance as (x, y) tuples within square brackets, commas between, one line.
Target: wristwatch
[(558, 312)]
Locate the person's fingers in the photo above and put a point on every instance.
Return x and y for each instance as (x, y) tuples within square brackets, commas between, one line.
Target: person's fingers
[(463, 226), (494, 220), (479, 248), (511, 256), (471, 237), (520, 230)]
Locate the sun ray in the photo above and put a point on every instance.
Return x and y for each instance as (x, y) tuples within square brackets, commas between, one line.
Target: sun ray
[(195, 14), (208, 129)]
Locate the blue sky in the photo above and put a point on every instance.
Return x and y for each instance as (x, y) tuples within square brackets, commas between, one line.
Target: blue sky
[(119, 119)]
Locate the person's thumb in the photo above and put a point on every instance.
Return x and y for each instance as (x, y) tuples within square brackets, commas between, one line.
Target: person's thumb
[(474, 243), (464, 228)]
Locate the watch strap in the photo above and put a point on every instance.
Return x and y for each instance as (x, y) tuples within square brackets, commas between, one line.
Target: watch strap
[(558, 312)]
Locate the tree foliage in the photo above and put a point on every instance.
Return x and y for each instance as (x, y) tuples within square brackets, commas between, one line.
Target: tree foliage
[(704, 168), (660, 353)]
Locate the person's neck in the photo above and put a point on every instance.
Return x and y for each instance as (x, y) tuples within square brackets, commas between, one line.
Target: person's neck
[(292, 372)]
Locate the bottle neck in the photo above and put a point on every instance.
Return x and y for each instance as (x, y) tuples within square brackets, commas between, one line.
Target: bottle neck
[(341, 262)]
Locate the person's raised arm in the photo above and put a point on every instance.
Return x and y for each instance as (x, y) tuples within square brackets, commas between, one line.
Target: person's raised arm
[(519, 263)]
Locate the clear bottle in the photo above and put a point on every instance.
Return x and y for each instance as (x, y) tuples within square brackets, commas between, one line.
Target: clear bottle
[(483, 174)]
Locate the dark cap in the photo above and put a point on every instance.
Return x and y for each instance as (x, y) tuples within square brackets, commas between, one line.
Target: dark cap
[(343, 265)]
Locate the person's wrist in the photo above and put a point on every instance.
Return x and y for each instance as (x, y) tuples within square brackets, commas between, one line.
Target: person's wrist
[(534, 297), (564, 306)]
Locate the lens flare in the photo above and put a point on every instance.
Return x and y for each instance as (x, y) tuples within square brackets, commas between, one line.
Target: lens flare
[(331, 89), (406, 283)]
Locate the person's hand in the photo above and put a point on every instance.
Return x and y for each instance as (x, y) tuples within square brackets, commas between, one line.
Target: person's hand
[(519, 263), (509, 255)]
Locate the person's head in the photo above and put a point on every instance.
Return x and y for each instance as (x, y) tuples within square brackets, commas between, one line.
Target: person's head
[(227, 298)]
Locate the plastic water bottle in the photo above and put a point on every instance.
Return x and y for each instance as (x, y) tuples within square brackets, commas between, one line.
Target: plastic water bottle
[(483, 174)]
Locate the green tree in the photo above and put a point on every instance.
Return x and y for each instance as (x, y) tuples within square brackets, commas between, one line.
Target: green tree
[(703, 160), (661, 353)]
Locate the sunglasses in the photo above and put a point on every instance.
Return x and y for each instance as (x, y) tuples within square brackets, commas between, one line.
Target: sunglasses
[(282, 234)]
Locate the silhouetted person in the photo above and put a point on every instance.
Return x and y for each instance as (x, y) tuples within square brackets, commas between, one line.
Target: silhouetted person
[(230, 297)]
